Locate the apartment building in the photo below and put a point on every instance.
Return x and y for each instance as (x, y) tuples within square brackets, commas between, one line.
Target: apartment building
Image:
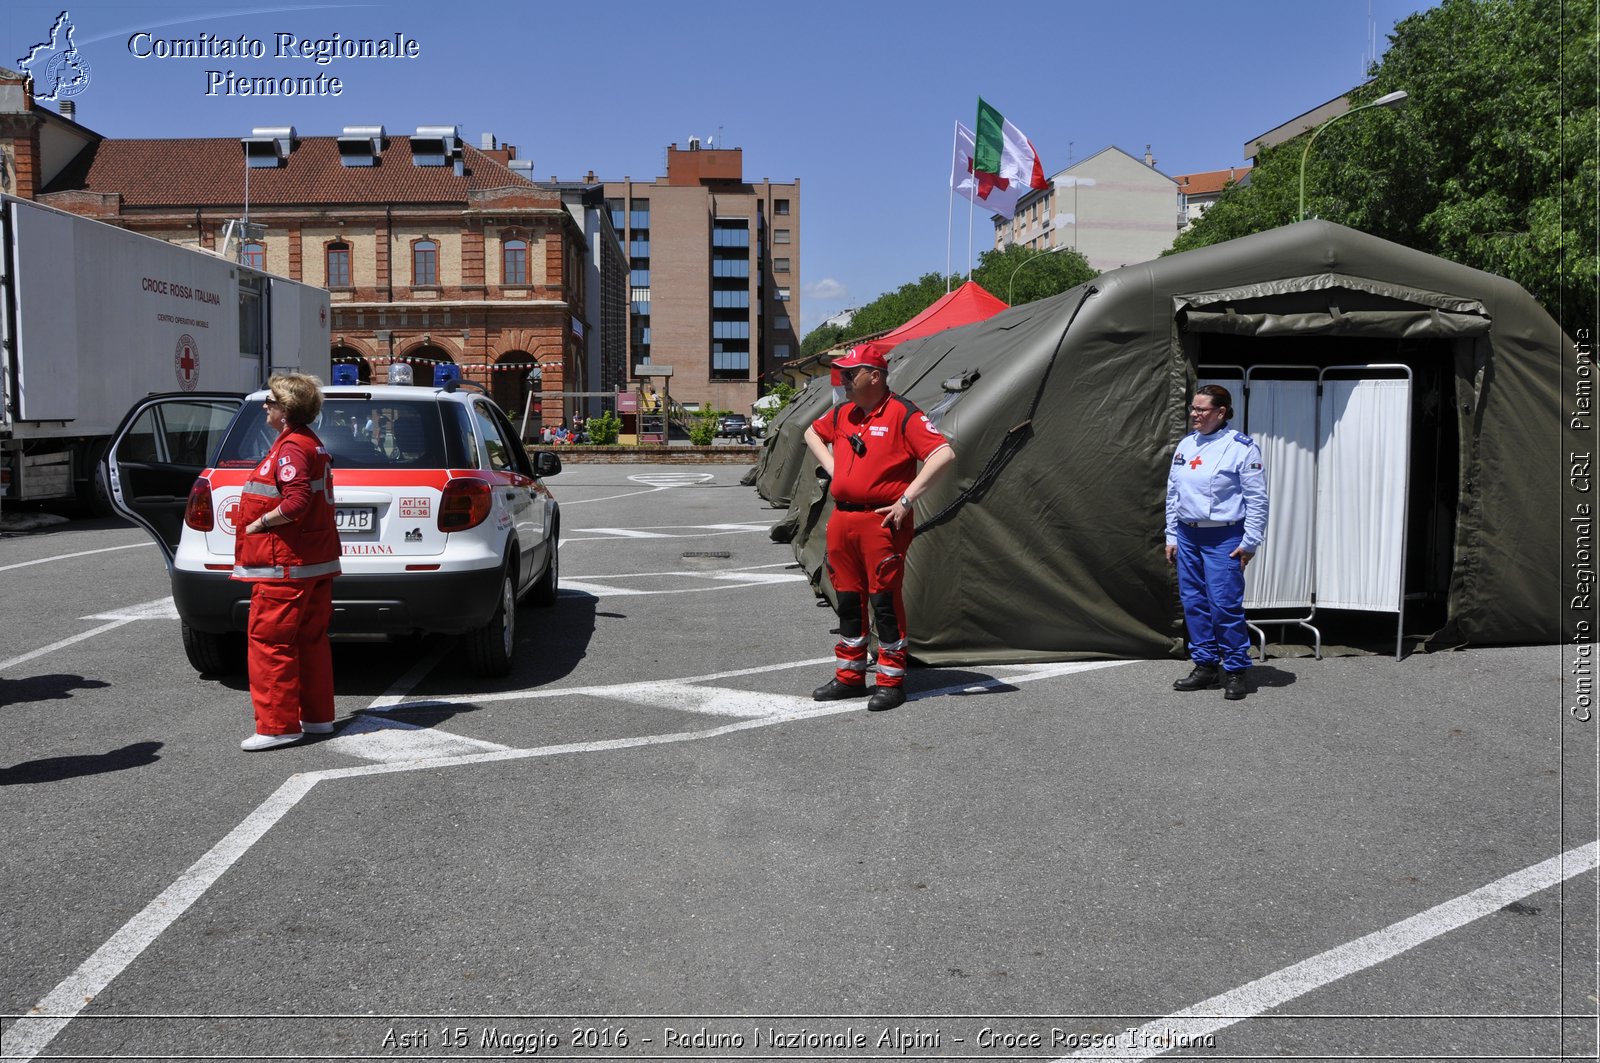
[(714, 274), (1111, 206), (1198, 191)]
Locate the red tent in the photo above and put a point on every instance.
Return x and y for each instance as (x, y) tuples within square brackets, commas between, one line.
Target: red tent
[(963, 306)]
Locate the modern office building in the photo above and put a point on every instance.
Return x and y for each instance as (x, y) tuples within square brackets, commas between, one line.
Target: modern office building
[(606, 307), (714, 274)]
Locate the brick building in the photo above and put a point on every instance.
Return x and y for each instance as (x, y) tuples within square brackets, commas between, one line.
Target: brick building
[(714, 274), (433, 252)]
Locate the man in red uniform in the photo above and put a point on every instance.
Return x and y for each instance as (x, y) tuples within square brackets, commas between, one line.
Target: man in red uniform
[(870, 445), (287, 547)]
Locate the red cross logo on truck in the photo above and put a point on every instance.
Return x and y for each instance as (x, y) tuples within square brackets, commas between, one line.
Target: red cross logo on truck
[(186, 363)]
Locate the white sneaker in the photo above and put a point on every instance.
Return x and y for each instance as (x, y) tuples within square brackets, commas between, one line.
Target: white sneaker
[(256, 743), (316, 728)]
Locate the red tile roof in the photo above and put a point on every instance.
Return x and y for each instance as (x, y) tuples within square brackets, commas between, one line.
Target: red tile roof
[(177, 172), (1199, 184)]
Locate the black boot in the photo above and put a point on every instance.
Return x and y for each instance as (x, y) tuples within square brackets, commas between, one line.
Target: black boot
[(833, 690), (1233, 685), (886, 698), (1204, 677)]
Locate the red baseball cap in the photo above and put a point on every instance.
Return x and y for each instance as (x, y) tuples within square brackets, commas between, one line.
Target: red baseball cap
[(860, 357)]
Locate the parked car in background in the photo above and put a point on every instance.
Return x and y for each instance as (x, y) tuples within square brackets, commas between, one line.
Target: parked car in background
[(734, 425), (444, 519)]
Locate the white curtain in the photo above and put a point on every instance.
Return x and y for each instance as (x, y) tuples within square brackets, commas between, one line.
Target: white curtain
[(1282, 419), (1364, 455)]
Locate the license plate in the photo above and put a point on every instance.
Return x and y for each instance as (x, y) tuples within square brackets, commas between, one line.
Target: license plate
[(354, 518)]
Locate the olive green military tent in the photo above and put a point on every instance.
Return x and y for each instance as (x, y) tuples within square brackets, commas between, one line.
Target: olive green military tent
[(783, 456), (1413, 414)]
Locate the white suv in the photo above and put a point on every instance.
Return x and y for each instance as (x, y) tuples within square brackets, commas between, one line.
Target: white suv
[(445, 523)]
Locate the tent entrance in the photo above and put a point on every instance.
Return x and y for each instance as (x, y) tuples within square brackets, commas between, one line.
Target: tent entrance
[(1361, 444)]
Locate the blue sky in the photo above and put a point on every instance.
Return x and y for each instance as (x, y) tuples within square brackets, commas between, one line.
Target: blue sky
[(856, 100)]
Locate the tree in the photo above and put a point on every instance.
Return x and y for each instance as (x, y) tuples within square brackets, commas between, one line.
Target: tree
[(997, 272), (783, 392), (1490, 163), (893, 309), (822, 338), (1012, 274), (603, 430)]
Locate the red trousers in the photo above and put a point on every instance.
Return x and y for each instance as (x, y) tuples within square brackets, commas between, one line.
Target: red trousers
[(291, 663), (867, 564)]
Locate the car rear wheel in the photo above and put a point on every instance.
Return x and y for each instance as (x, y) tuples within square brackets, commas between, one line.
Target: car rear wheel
[(490, 648), (544, 592), (212, 653)]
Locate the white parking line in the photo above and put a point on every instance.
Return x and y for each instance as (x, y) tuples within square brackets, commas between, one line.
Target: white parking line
[(568, 504), (629, 533), (156, 609), (1255, 998), (711, 701), (80, 553), (672, 479), (395, 741), (28, 1036), (41, 651), (664, 531), (598, 590), (751, 578)]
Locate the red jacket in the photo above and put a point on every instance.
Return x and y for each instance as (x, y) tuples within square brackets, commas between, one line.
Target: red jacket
[(889, 440), (296, 479)]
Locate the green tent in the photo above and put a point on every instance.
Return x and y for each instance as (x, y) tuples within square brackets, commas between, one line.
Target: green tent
[(1046, 543)]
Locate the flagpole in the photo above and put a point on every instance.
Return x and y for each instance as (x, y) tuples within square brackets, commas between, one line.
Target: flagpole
[(950, 212), (972, 209), (972, 205)]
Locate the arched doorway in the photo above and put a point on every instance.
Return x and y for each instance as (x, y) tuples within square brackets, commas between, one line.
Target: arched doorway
[(510, 384), (422, 360), (351, 356)]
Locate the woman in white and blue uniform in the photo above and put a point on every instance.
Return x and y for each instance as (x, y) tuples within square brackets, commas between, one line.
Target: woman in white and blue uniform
[(1216, 519)]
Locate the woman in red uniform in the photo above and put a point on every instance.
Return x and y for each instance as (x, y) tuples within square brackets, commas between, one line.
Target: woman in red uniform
[(287, 548)]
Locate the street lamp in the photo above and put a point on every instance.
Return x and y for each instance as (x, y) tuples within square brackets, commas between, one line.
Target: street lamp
[(1025, 261), (1391, 100)]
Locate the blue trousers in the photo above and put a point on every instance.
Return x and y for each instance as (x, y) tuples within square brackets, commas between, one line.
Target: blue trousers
[(1211, 587)]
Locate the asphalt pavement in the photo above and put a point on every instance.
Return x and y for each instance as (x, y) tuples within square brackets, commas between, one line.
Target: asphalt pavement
[(648, 842)]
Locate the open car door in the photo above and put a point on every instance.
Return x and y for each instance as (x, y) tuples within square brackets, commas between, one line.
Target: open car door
[(158, 452)]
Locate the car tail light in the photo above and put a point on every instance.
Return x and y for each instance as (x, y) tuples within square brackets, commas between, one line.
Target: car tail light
[(198, 514), (465, 503)]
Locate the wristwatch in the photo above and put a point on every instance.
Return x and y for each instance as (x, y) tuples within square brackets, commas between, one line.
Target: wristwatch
[(905, 500)]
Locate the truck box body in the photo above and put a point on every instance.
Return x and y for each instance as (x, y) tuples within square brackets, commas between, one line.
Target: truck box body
[(93, 316)]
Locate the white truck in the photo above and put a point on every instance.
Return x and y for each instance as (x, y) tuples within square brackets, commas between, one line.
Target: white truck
[(93, 316)]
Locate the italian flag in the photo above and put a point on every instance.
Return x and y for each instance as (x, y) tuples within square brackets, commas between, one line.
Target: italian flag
[(1003, 154)]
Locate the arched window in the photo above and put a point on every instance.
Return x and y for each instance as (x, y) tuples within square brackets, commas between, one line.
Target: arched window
[(514, 262), (425, 264), (254, 256), (338, 264)]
